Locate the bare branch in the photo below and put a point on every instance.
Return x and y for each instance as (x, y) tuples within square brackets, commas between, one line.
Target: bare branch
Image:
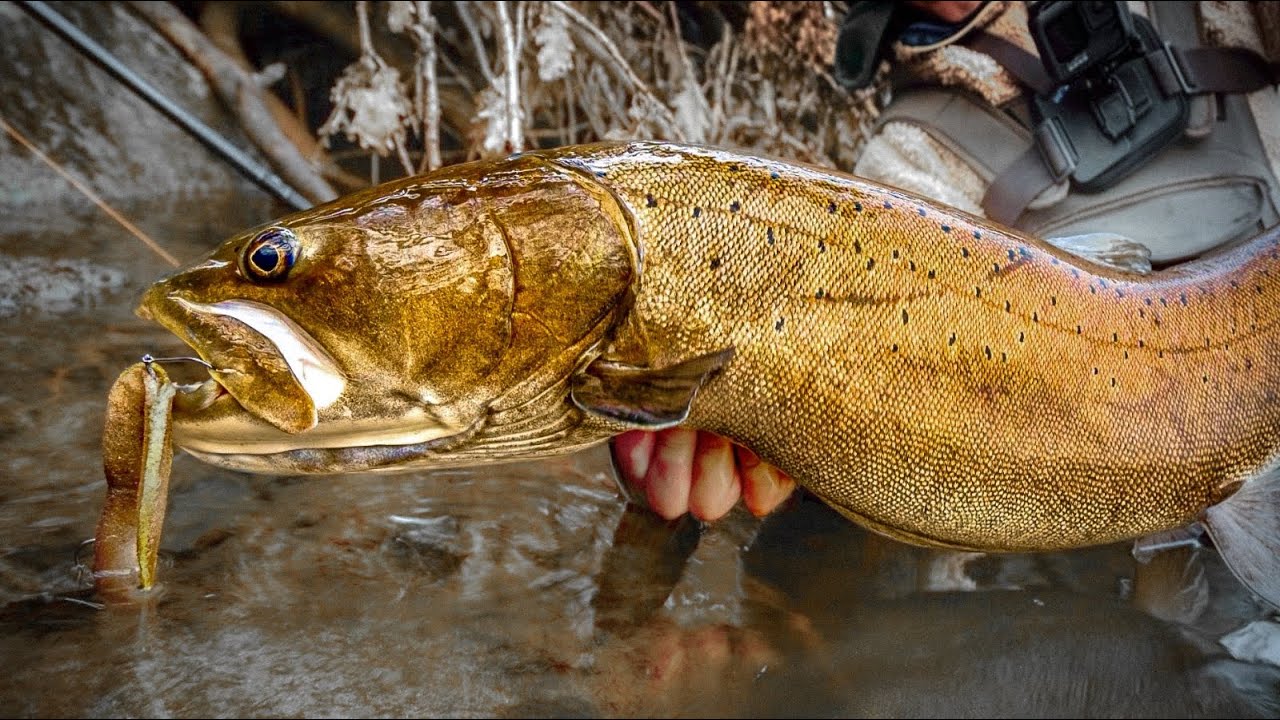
[(605, 49), (429, 101), (242, 94), (511, 75), (482, 57)]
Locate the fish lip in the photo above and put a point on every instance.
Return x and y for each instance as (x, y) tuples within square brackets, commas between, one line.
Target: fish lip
[(274, 370), (343, 459)]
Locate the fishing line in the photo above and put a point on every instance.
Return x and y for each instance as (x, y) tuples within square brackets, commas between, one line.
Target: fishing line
[(110, 211)]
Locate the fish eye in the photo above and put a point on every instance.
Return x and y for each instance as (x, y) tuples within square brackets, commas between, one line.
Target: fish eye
[(270, 255)]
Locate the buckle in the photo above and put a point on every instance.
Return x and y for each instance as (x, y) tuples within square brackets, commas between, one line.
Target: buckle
[(1175, 65), (1057, 152)]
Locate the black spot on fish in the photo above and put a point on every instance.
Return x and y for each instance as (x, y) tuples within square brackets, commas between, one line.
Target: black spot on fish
[(911, 265), (1142, 343), (946, 228), (650, 201), (735, 206), (1159, 353), (977, 291), (697, 211), (768, 233), (599, 173), (1093, 290), (1204, 378), (1163, 303), (1206, 343), (1182, 298), (857, 247), (1142, 313), (964, 252), (1035, 317), (1008, 306), (773, 175), (1113, 382), (1022, 337), (988, 351), (1095, 371), (1012, 255), (895, 254), (921, 211), (995, 268), (831, 208), (904, 316), (734, 167), (715, 263), (820, 294), (951, 340), (1258, 288), (1004, 357), (1126, 354), (1119, 293), (977, 235), (894, 348), (1248, 364), (1147, 301), (1079, 329), (822, 246), (1115, 337), (871, 262), (778, 325), (857, 207), (932, 274), (1053, 300)]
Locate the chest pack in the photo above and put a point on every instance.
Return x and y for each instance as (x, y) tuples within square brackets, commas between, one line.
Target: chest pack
[(1160, 146)]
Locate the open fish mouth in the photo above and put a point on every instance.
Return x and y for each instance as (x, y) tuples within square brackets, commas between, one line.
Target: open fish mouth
[(260, 363)]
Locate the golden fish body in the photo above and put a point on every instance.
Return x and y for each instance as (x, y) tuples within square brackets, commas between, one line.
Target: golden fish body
[(932, 376)]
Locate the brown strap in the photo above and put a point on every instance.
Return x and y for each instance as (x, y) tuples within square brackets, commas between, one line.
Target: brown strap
[(1023, 65), (1211, 70), (1008, 196)]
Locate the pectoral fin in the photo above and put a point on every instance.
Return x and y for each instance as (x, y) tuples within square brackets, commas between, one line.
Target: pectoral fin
[(1246, 530), (1109, 249), (645, 398)]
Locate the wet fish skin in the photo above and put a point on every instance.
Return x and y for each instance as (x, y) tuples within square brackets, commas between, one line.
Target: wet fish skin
[(933, 376), (942, 379)]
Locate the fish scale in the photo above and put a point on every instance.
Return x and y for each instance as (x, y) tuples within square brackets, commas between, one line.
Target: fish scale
[(1022, 433)]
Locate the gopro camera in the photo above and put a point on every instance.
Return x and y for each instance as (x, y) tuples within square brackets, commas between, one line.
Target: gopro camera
[(1109, 114), (1076, 37)]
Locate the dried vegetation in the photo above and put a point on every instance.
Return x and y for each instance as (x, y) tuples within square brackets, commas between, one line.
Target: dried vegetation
[(436, 83)]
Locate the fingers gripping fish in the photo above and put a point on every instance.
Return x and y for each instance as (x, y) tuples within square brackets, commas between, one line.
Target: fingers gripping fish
[(932, 376)]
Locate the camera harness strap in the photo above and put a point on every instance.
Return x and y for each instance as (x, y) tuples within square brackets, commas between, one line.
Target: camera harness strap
[(1051, 158)]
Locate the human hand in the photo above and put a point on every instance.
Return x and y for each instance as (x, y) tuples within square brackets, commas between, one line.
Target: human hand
[(682, 470)]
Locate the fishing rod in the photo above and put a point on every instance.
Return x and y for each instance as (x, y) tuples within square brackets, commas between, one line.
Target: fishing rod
[(252, 169)]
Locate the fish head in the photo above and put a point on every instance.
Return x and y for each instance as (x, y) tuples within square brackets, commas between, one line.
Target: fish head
[(403, 325)]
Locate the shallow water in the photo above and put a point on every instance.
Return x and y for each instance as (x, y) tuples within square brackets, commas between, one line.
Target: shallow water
[(516, 590)]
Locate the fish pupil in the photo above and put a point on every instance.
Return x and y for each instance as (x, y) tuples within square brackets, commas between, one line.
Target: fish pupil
[(266, 258)]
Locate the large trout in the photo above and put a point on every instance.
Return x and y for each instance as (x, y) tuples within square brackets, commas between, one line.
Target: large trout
[(932, 376)]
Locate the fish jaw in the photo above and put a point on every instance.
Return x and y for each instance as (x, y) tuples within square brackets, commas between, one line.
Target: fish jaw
[(272, 368), (276, 394)]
